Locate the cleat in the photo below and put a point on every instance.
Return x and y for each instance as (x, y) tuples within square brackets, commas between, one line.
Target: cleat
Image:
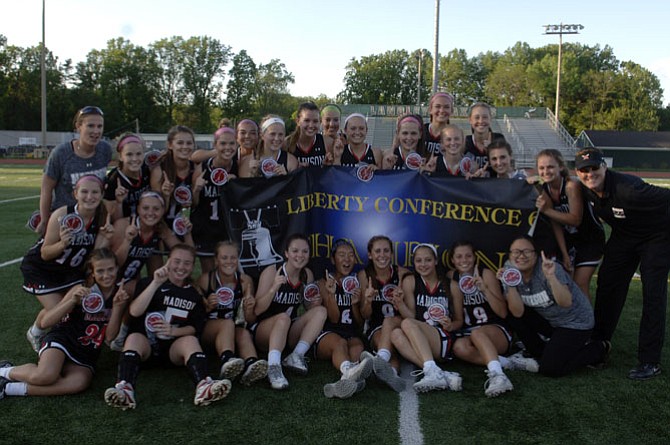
[(342, 389), (384, 372), (121, 395), (360, 385), (644, 371), (35, 342), (295, 363), (256, 371), (366, 355), (276, 377), (5, 364), (607, 348), (497, 384), (209, 391), (518, 362), (432, 379), (358, 371), (231, 369), (3, 385), (454, 380)]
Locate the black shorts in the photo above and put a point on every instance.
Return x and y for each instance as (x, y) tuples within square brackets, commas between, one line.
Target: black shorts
[(40, 282), (586, 254), (79, 355)]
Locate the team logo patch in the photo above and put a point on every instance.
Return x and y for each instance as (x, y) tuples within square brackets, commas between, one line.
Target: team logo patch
[(350, 284), (436, 312), (73, 222), (268, 167), (151, 158), (219, 176), (365, 172), (413, 161), (152, 319), (179, 226), (93, 303), (511, 277), (387, 292), (34, 220), (182, 195), (466, 165), (311, 292), (618, 213), (467, 284), (225, 295)]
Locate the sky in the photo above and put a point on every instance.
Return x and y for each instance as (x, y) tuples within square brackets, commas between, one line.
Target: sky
[(316, 39)]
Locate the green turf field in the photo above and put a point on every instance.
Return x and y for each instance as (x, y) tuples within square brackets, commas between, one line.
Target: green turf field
[(589, 407)]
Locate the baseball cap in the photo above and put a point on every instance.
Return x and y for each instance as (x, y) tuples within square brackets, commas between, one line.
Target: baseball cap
[(589, 157)]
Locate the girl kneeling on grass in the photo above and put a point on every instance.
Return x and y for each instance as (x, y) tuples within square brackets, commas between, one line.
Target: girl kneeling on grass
[(484, 336), (230, 296), (424, 335), (548, 304), (281, 290), (85, 318), (169, 314), (340, 340)]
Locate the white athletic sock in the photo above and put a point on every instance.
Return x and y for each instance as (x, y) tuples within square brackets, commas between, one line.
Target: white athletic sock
[(4, 372), (274, 357), (494, 367), (301, 348), (16, 389), (429, 365), (36, 331), (385, 354), (504, 361), (344, 366)]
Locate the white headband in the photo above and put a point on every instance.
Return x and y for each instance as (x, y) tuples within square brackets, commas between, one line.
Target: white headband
[(355, 115), (272, 120), (430, 246)]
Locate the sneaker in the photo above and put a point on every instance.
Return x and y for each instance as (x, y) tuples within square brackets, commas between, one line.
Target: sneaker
[(384, 372), (256, 371), (276, 377), (295, 363), (342, 389), (358, 371), (644, 371), (209, 391), (518, 362), (35, 341), (121, 395), (497, 384), (117, 343), (454, 380), (231, 369), (432, 379), (607, 348)]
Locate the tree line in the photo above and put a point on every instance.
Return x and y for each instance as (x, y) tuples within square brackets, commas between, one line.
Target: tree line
[(199, 80)]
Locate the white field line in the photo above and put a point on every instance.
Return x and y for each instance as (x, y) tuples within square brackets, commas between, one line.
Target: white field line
[(19, 199), (409, 427), (10, 262)]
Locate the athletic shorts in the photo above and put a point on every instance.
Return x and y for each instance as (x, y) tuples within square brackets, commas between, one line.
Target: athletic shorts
[(81, 356), (465, 332), (586, 254)]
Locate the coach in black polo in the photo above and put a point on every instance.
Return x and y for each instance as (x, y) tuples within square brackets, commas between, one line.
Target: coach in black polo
[(639, 216)]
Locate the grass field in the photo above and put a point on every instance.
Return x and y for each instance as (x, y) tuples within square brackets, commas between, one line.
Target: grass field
[(589, 407)]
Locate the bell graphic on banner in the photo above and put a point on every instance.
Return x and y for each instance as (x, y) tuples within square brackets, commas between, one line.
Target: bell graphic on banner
[(257, 248)]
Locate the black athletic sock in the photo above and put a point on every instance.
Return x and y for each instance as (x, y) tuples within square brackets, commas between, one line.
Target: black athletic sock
[(129, 367), (250, 361), (197, 367), (226, 355)]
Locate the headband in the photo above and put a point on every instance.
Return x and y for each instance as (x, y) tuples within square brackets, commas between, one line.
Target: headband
[(247, 121), (88, 178), (441, 94), (220, 131), (127, 140), (152, 194), (332, 107), (410, 117), (355, 115), (430, 246), (338, 243), (272, 121)]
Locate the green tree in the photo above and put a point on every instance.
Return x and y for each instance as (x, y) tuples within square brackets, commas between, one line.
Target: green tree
[(239, 102), (170, 61), (271, 88)]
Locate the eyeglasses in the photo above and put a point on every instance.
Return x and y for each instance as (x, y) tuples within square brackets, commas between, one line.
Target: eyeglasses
[(589, 169), (90, 109), (526, 253)]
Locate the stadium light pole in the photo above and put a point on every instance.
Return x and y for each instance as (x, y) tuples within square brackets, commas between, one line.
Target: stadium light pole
[(43, 78), (436, 55), (560, 29)]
